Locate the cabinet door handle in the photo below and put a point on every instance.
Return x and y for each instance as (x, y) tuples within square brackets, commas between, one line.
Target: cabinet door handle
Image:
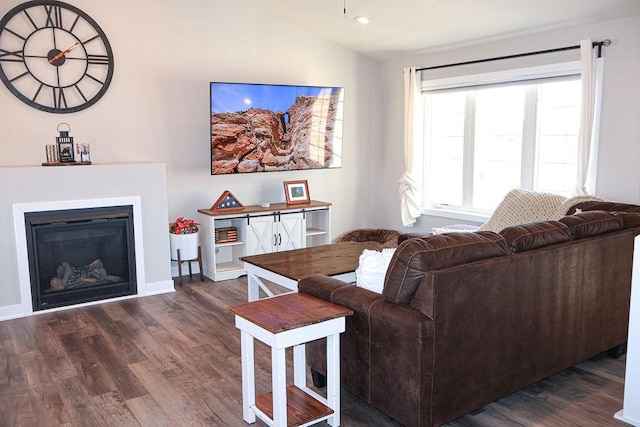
[(279, 239), (275, 240)]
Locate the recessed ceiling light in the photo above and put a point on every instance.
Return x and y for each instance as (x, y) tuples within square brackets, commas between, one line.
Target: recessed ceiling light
[(361, 20)]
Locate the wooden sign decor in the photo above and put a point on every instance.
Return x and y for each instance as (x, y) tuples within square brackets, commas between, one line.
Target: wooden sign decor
[(227, 202)]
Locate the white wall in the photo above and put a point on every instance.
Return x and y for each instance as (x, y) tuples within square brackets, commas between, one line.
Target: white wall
[(166, 53), (156, 109), (619, 153)]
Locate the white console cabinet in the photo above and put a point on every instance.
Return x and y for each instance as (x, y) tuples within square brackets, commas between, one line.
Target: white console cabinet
[(260, 230)]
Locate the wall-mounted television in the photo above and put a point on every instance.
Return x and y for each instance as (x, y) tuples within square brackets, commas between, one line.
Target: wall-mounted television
[(267, 127)]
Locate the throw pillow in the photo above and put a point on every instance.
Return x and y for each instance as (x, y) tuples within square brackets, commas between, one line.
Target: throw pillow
[(372, 269)]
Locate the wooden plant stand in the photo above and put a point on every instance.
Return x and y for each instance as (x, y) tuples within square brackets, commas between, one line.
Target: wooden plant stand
[(189, 261)]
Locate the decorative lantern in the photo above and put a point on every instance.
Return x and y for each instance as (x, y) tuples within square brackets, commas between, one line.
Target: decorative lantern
[(65, 144)]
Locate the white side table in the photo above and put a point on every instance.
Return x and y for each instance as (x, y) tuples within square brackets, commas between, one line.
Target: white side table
[(290, 320)]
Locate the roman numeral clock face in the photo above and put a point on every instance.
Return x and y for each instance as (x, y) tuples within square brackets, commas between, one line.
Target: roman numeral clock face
[(54, 57)]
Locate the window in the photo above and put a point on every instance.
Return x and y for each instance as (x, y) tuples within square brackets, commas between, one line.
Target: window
[(482, 141)]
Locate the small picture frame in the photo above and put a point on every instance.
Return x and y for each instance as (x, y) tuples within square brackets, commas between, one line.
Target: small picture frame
[(296, 192), (65, 152)]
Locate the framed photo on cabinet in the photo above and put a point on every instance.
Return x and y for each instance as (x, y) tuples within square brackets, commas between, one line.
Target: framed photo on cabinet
[(296, 192)]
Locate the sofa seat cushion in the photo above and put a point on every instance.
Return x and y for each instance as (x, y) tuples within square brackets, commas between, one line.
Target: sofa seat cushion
[(535, 235), (592, 223), (415, 257)]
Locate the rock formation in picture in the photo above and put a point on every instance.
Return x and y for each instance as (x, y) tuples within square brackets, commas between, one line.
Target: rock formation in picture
[(258, 140)]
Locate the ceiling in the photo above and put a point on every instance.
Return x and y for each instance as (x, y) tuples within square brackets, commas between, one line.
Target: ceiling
[(400, 27)]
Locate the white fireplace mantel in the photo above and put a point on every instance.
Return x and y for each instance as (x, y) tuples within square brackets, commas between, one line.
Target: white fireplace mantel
[(142, 185)]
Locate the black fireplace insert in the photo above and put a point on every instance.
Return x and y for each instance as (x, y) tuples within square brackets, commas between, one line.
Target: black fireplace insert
[(80, 255)]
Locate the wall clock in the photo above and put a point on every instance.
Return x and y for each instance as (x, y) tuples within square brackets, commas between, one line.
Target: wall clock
[(54, 57)]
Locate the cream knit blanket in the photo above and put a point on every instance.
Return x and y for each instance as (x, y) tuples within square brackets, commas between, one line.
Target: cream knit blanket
[(522, 206)]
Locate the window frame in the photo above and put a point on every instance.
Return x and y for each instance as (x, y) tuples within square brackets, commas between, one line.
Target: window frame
[(528, 74)]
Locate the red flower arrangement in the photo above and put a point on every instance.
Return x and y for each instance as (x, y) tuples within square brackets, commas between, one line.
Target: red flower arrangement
[(183, 226)]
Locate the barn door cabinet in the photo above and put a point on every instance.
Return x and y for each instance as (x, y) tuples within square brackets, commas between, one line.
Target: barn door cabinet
[(256, 230), (276, 232)]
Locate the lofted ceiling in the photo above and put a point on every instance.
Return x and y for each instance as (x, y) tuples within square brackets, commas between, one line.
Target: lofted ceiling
[(406, 26)]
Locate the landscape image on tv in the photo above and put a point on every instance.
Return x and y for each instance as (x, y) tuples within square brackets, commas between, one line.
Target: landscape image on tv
[(264, 128)]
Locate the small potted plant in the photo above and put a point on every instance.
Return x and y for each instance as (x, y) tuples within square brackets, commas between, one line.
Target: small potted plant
[(183, 235)]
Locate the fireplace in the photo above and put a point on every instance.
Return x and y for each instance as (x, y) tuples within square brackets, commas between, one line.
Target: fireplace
[(80, 255)]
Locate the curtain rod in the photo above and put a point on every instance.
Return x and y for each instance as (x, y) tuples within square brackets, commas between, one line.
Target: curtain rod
[(605, 42)]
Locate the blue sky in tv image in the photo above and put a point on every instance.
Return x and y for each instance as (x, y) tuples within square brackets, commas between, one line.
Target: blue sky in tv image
[(233, 97)]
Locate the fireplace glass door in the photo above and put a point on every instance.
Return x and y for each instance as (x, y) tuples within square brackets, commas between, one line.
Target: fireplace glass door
[(80, 255)]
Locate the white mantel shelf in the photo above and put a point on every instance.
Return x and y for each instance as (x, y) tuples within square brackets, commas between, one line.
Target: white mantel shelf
[(36, 185), (93, 164)]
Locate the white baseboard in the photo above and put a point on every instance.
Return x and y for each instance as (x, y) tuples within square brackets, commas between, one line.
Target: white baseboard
[(156, 288), (620, 416), (11, 312)]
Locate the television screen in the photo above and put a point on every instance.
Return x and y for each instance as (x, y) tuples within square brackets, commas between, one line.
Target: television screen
[(263, 127)]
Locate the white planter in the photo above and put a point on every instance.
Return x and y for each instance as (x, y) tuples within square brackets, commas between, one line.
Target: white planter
[(187, 243)]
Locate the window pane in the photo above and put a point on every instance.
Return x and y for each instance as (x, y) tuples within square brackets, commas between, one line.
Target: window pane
[(444, 130), (558, 125), (555, 176), (498, 144)]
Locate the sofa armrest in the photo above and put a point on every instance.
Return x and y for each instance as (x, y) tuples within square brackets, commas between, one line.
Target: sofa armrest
[(339, 292), (368, 303), (384, 344), (357, 326)]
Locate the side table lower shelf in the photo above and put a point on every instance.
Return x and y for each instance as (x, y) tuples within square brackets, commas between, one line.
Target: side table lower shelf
[(301, 407)]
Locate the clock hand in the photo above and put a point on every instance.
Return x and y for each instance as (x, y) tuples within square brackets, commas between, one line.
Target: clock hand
[(64, 52)]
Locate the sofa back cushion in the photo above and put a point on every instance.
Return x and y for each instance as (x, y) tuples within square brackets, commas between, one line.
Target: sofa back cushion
[(415, 257), (535, 235), (629, 219), (602, 206), (592, 223)]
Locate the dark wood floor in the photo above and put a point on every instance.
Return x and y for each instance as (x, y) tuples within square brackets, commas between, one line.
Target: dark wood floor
[(174, 360)]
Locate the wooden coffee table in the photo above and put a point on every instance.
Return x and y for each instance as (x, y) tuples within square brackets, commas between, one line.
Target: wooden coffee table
[(286, 268)]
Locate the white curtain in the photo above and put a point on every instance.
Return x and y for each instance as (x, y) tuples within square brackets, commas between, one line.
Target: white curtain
[(588, 136), (409, 207)]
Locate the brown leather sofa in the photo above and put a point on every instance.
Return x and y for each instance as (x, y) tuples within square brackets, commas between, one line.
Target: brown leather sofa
[(466, 318)]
